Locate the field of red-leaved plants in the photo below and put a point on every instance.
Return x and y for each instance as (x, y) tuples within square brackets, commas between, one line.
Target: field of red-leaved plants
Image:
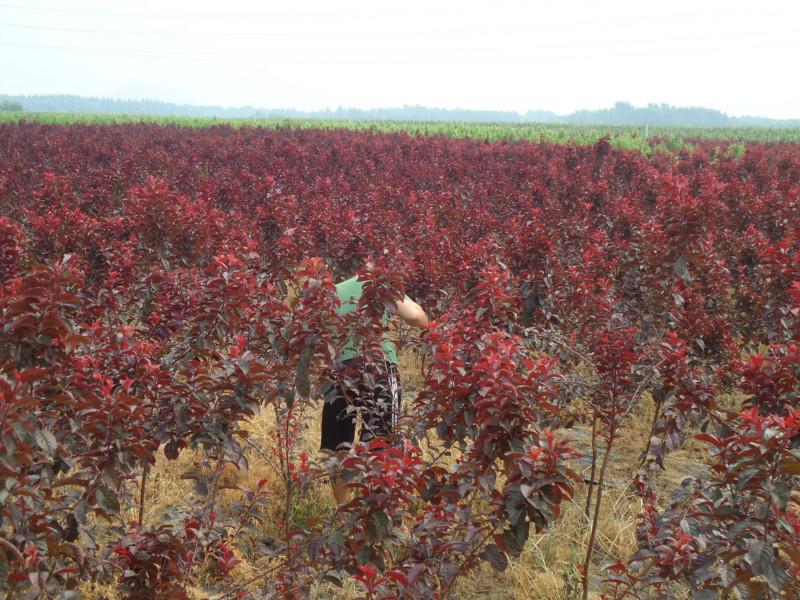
[(161, 285)]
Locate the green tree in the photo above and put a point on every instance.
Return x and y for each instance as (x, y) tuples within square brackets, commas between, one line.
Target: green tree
[(9, 106)]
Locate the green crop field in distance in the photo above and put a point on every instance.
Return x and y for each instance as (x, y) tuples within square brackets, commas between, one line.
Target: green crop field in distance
[(644, 139)]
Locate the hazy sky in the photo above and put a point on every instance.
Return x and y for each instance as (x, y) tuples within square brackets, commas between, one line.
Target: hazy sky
[(739, 57)]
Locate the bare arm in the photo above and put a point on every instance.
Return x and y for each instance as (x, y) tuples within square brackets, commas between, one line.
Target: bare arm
[(412, 313)]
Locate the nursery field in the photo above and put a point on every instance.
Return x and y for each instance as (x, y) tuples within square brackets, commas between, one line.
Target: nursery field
[(604, 405), (645, 139)]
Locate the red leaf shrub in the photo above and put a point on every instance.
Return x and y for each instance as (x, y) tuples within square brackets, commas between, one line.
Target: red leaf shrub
[(158, 285)]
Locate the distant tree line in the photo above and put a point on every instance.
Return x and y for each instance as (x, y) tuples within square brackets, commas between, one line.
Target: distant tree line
[(10, 106), (79, 104), (622, 113)]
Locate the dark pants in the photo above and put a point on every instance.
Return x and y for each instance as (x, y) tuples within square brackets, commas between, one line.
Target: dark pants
[(358, 385)]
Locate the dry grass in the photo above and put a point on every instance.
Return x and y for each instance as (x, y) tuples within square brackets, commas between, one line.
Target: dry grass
[(548, 568)]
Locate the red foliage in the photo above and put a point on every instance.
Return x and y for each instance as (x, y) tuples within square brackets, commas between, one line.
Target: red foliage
[(160, 284)]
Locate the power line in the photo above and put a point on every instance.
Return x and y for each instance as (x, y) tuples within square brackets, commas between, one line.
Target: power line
[(331, 53), (370, 57), (179, 14), (370, 33), (169, 34), (380, 35), (343, 15)]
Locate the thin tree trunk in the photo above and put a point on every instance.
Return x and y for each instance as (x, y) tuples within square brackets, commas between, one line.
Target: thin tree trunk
[(596, 518), (141, 494), (650, 436), (594, 465)]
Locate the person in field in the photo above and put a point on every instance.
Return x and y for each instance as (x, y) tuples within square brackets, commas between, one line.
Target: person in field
[(369, 384)]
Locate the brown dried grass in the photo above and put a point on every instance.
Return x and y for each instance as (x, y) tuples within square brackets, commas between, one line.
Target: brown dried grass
[(548, 568)]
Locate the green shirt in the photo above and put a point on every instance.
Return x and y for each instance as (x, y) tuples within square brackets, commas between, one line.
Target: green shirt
[(349, 292)]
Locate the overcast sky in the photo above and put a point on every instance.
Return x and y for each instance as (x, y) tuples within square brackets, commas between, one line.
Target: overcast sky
[(739, 57)]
